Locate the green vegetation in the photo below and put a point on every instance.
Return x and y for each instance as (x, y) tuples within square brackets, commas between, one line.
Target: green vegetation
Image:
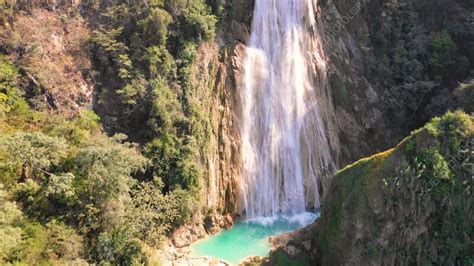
[(464, 94), (69, 192), (281, 259), (341, 94), (29, 242), (408, 204), (61, 173), (151, 47), (444, 52), (418, 59)]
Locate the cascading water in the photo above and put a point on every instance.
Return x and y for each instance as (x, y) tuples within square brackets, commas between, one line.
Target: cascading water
[(285, 145), (286, 126)]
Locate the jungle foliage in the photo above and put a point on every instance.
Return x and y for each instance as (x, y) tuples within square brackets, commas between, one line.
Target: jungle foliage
[(74, 188)]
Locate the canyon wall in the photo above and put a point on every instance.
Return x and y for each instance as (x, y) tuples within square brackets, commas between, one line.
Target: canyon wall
[(217, 75), (381, 81), (409, 204), (381, 67)]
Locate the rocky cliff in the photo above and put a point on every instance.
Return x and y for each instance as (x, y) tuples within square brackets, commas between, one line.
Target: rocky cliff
[(380, 70), (216, 78), (410, 204), (379, 77), (385, 68), (51, 53)]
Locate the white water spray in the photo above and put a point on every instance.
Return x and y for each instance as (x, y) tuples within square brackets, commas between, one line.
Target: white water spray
[(285, 145)]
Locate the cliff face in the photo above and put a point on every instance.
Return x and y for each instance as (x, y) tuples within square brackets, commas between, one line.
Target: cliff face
[(51, 53), (379, 79), (410, 204), (384, 72), (216, 77)]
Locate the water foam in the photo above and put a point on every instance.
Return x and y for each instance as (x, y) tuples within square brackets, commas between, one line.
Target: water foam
[(299, 220)]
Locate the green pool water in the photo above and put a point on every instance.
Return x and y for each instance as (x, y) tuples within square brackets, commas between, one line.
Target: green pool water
[(249, 238)]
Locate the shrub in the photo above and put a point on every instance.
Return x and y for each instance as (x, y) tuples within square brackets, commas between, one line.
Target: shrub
[(10, 231), (152, 215), (199, 21), (119, 248), (11, 100), (444, 52), (63, 241), (464, 94), (59, 189)]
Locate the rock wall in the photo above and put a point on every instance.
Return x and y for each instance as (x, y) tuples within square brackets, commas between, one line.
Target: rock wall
[(410, 204), (216, 77), (382, 79)]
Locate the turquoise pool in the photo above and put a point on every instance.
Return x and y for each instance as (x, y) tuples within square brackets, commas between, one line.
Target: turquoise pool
[(249, 238)]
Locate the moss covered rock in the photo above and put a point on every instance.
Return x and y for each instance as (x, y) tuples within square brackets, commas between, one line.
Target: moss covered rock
[(409, 205)]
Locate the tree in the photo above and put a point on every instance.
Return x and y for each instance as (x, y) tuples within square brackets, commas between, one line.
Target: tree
[(10, 219), (34, 153), (464, 94), (106, 169), (444, 52), (152, 215)]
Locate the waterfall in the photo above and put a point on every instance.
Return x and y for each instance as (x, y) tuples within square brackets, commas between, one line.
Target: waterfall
[(285, 142)]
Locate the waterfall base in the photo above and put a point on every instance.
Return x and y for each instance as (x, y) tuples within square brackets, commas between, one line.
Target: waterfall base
[(249, 238)]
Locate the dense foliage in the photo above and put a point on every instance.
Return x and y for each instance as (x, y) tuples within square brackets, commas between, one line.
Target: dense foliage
[(422, 50), (150, 47), (71, 191)]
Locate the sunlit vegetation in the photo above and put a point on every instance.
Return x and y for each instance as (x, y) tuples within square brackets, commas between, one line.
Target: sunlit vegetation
[(70, 192), (430, 170)]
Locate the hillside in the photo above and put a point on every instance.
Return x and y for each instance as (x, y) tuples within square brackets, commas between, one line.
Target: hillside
[(410, 204)]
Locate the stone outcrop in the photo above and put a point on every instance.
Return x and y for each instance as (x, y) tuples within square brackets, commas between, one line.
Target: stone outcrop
[(188, 233), (199, 227), (169, 255), (412, 203)]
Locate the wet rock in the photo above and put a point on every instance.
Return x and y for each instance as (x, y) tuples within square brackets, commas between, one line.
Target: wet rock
[(189, 233), (307, 245), (199, 261), (253, 261), (291, 250)]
